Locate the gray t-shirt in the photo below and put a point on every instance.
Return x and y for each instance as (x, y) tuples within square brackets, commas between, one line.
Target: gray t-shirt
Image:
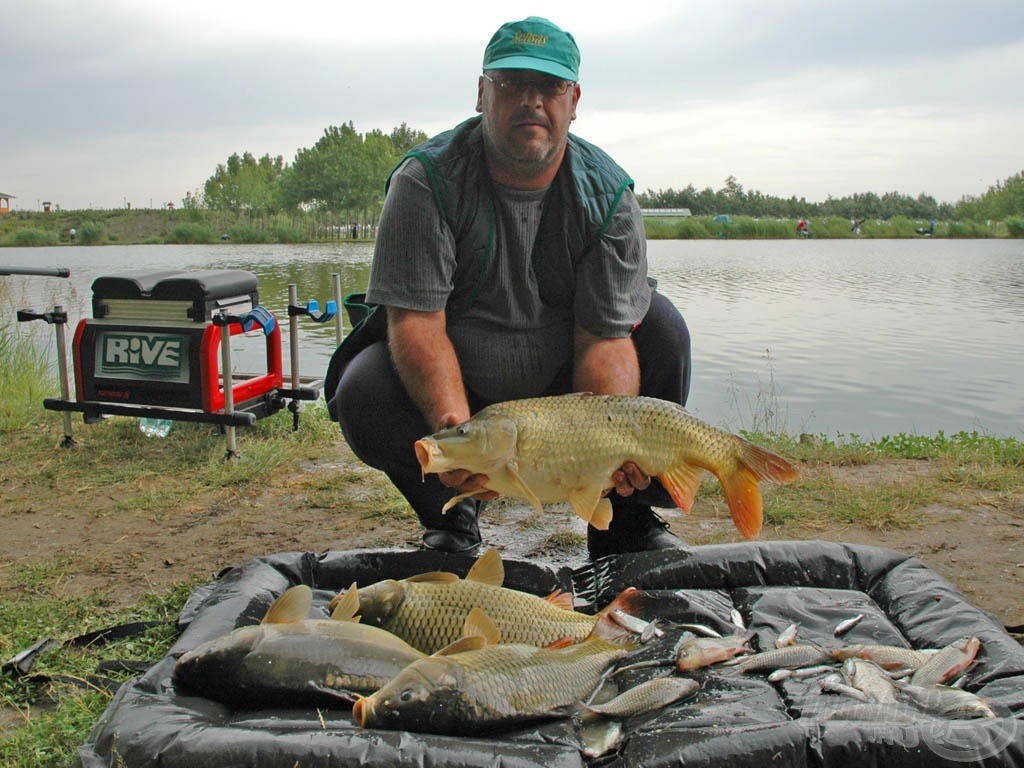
[(510, 344)]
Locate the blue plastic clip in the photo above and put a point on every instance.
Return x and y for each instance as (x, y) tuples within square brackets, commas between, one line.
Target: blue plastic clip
[(313, 309), (260, 316)]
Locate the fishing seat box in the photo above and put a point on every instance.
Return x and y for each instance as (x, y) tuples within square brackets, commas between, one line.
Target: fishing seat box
[(153, 340)]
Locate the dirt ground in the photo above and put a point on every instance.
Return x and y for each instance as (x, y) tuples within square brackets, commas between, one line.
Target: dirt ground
[(972, 538)]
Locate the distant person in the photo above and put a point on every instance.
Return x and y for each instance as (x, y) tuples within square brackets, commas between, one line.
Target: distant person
[(510, 262), (72, 234), (802, 228), (855, 226)]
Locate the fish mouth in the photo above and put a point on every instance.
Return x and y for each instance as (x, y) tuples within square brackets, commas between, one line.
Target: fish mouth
[(426, 451), (360, 712)]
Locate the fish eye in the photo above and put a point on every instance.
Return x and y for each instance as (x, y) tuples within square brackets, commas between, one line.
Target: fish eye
[(463, 429), (407, 695)]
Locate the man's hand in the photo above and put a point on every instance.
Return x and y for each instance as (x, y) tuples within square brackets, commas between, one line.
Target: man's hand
[(628, 478), (465, 482)]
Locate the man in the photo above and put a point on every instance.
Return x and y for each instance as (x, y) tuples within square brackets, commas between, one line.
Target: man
[(511, 262)]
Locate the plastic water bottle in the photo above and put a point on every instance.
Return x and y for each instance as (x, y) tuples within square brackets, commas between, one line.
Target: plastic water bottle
[(155, 427)]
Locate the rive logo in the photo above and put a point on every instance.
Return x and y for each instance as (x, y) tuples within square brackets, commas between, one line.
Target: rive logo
[(143, 356)]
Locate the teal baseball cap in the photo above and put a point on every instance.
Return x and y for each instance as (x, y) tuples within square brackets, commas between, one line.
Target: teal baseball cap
[(534, 43)]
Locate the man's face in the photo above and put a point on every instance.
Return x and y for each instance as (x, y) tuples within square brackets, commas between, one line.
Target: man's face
[(526, 121)]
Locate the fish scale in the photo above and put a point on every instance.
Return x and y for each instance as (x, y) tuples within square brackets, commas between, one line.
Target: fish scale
[(428, 611), (495, 685), (566, 447)]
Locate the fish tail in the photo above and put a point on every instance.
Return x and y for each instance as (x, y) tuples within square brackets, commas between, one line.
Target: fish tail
[(767, 465), (612, 631), (744, 500), (741, 489)]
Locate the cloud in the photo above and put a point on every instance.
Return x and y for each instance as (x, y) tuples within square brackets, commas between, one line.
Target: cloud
[(801, 97)]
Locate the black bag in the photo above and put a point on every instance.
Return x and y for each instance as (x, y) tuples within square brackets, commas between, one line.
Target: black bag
[(369, 325)]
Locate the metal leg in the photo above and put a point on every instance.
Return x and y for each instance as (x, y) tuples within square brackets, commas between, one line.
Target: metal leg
[(229, 394), (62, 366)]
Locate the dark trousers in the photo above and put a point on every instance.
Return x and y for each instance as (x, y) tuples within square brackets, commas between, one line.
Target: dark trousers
[(381, 423)]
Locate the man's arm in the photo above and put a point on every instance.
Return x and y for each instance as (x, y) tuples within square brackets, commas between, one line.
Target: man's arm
[(429, 369), (609, 367), (426, 362), (605, 366)]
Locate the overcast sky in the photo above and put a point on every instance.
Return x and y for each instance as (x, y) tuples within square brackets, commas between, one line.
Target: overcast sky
[(108, 102)]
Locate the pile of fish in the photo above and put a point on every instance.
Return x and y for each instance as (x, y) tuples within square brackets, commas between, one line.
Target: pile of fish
[(441, 654), (435, 653), (878, 683)]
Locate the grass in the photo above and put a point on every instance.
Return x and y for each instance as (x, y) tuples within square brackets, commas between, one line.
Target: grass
[(43, 724)]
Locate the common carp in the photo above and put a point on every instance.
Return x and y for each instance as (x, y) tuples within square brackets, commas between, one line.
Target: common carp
[(480, 684), (289, 659), (566, 447), (429, 610)]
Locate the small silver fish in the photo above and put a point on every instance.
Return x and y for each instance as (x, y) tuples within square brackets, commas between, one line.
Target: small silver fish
[(845, 626), (870, 678), (790, 657), (646, 697), (699, 652), (834, 684), (885, 656), (948, 701), (787, 636), (948, 662)]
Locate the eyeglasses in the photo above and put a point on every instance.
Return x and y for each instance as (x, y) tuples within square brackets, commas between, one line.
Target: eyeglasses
[(548, 87)]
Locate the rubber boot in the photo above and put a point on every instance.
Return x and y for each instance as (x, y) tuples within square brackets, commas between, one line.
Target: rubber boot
[(456, 531), (634, 528)]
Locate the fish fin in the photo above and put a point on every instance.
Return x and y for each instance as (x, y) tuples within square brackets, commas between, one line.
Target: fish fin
[(682, 483), (744, 500), (590, 506), (463, 644), (456, 499), (488, 569), (767, 465), (345, 605), (479, 624), (631, 600), (291, 607), (561, 599), (562, 642), (512, 477), (434, 576)]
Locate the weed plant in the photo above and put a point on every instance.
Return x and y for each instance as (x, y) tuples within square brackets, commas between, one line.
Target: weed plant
[(192, 234), (92, 233)]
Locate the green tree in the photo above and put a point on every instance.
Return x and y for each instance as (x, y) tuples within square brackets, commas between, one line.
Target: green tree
[(245, 184), (344, 172)]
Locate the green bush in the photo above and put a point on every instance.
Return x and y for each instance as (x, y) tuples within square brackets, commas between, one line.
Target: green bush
[(92, 233), (968, 230), (1015, 226), (31, 238), (245, 234), (191, 234), (690, 229), (287, 234)]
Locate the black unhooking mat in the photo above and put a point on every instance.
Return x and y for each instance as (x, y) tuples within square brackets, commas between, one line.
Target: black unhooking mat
[(734, 720)]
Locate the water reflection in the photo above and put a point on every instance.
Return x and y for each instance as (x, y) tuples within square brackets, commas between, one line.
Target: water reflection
[(866, 337)]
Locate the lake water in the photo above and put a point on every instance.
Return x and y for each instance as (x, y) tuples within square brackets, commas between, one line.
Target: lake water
[(836, 337)]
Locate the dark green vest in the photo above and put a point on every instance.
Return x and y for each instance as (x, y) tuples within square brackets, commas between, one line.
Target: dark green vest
[(578, 210)]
